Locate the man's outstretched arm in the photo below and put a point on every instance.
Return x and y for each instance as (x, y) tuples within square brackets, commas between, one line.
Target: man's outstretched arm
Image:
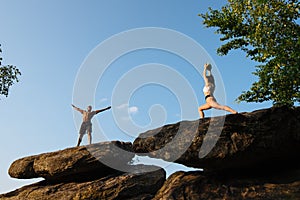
[(107, 108), (78, 109)]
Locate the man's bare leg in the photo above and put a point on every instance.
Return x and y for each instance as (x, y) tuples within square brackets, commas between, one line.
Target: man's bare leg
[(79, 140), (89, 134)]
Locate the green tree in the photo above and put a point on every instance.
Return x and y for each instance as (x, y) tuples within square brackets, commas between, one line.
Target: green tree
[(8, 76), (268, 31)]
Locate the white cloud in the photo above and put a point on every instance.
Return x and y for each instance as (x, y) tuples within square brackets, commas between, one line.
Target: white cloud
[(131, 110), (122, 106), (103, 100)]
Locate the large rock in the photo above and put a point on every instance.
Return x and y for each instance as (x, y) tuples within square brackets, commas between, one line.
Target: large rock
[(85, 162), (265, 139), (198, 185), (131, 186)]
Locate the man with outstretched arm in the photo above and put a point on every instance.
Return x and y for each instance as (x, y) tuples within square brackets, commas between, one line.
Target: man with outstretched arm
[(86, 126)]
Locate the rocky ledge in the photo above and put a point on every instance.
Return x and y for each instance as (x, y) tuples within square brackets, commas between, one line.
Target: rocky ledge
[(134, 186), (74, 163), (79, 173), (200, 185), (266, 139), (254, 156)]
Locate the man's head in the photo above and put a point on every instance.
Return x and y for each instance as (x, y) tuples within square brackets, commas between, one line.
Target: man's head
[(89, 108)]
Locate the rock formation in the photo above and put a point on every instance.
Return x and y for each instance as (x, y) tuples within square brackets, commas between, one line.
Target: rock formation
[(73, 163), (267, 138), (254, 156), (77, 173), (114, 186), (199, 185)]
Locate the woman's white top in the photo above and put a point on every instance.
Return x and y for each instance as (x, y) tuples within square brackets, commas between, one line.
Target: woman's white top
[(208, 88)]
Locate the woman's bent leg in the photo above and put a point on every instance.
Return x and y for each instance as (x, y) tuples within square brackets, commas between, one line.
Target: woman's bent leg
[(202, 108)]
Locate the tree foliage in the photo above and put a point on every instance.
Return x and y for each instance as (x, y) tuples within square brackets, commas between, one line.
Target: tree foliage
[(8, 76), (268, 31)]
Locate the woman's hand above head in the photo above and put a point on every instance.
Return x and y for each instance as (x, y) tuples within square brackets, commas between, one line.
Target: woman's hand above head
[(207, 66)]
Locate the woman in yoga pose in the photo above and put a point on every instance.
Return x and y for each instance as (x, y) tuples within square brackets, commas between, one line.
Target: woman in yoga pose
[(208, 91)]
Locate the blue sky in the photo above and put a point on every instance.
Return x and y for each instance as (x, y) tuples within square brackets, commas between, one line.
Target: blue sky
[(49, 41)]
